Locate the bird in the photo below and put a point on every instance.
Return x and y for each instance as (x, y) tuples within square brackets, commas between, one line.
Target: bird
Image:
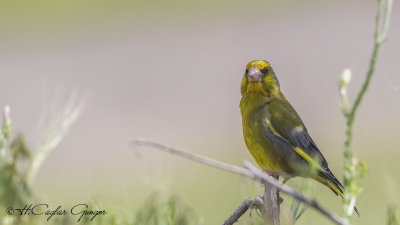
[(274, 133)]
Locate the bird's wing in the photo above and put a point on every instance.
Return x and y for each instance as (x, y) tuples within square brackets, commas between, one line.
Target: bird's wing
[(286, 123), (285, 128)]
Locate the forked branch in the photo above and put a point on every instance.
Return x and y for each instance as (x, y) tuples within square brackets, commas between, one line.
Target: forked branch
[(249, 171)]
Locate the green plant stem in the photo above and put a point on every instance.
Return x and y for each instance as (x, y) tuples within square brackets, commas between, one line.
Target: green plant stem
[(379, 36)]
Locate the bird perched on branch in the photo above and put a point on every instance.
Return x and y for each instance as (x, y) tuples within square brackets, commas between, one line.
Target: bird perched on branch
[(274, 133)]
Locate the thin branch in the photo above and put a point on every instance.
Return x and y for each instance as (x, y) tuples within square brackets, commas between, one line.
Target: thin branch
[(195, 157), (271, 203), (242, 209), (249, 171), (259, 175)]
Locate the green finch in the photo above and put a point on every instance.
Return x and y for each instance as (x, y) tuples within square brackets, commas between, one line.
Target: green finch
[(274, 133)]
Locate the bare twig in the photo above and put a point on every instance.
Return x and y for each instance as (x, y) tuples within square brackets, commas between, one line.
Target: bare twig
[(192, 156), (242, 209), (249, 171), (259, 175), (271, 203)]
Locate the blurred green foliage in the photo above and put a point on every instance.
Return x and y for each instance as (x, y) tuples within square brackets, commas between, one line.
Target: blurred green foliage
[(14, 162), (15, 191), (163, 210), (393, 215)]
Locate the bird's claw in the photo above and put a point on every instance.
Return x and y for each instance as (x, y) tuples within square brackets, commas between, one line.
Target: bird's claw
[(280, 200)]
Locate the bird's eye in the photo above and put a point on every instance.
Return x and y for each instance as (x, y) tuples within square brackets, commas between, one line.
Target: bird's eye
[(265, 70), (247, 71)]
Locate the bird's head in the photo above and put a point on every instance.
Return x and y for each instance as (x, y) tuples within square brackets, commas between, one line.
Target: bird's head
[(259, 78)]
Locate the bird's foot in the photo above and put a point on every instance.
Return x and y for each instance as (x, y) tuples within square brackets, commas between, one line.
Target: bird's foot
[(280, 200), (274, 174), (286, 178)]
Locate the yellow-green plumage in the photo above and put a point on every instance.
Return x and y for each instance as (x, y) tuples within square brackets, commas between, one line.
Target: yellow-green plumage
[(274, 133)]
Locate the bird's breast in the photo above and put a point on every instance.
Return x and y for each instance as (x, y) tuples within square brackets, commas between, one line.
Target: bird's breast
[(260, 147)]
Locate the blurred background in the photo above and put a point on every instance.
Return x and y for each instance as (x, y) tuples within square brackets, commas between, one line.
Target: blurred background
[(170, 71)]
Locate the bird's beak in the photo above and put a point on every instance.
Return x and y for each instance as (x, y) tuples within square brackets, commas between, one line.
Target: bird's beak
[(254, 75)]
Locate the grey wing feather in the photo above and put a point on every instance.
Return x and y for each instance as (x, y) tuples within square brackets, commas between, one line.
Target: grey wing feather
[(289, 126)]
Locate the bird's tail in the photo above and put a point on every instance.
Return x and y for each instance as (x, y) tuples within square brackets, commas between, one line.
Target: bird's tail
[(328, 179)]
